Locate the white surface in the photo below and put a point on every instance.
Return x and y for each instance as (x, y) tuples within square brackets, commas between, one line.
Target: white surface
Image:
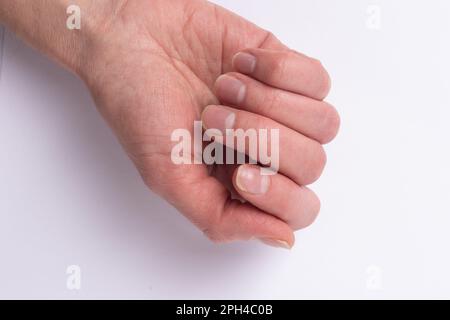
[(69, 195)]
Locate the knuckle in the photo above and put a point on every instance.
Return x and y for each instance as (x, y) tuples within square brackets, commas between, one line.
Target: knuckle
[(308, 210), (278, 69), (285, 209), (320, 162), (323, 79), (314, 213), (309, 219), (273, 100), (317, 164), (331, 124)]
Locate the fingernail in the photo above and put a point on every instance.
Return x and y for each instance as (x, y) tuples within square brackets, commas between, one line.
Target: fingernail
[(276, 243), (217, 117), (244, 62), (230, 89), (249, 179)]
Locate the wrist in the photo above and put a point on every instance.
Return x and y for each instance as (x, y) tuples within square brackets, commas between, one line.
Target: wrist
[(43, 24)]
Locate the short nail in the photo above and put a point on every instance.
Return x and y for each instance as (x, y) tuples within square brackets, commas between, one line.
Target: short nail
[(276, 243), (217, 117), (244, 62), (249, 179), (230, 89)]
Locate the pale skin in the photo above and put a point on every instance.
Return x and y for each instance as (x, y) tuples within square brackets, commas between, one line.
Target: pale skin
[(154, 66)]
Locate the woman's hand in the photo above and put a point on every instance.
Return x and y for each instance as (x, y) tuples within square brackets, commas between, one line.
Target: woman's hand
[(154, 66)]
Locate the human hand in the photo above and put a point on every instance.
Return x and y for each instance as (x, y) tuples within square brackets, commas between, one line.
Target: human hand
[(157, 66)]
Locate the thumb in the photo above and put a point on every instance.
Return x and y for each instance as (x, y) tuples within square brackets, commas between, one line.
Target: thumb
[(208, 204)]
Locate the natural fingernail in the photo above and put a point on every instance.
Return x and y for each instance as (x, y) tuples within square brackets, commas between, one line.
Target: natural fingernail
[(230, 89), (249, 179), (276, 243), (244, 62), (217, 117)]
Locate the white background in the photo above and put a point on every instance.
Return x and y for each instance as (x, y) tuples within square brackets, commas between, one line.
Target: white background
[(70, 196)]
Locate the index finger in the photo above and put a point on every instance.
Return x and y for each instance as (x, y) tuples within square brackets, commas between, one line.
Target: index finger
[(286, 70)]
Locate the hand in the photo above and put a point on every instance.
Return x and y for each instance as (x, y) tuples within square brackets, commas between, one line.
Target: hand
[(154, 66)]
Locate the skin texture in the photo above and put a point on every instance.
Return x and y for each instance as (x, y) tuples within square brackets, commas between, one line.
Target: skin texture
[(153, 66)]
